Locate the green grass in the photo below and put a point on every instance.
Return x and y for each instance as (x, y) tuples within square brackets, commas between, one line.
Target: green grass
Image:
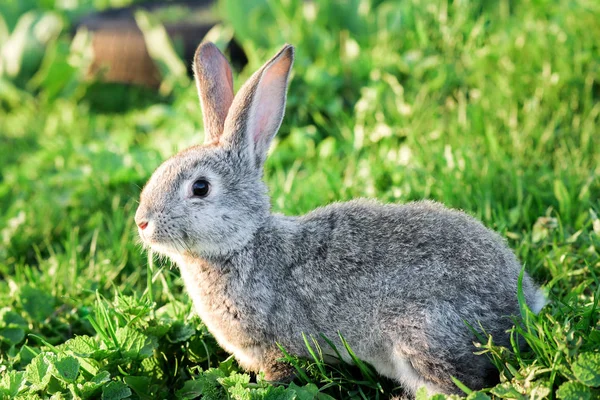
[(491, 107)]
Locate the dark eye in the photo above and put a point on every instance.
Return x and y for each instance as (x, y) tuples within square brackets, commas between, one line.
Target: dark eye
[(200, 188)]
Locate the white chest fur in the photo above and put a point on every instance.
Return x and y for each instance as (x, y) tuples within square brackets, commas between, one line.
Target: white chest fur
[(224, 320)]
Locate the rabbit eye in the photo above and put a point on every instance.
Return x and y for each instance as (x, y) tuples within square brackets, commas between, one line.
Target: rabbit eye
[(200, 188)]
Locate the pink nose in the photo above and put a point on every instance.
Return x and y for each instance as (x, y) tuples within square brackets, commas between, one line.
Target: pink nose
[(143, 225)]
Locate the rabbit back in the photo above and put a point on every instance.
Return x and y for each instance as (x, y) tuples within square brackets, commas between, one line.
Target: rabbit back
[(399, 282)]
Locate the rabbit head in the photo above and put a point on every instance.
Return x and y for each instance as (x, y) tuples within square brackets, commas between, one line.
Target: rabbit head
[(208, 200)]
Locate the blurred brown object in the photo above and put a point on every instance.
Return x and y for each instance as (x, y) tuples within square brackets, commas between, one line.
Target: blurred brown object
[(120, 53)]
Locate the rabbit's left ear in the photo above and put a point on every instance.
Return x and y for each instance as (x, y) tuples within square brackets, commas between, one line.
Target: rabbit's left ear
[(257, 110), (215, 88)]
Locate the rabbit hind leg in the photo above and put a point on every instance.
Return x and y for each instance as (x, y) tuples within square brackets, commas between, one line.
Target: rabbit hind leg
[(432, 363), (400, 369), (412, 380)]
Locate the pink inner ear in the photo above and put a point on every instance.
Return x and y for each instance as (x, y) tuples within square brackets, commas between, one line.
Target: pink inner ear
[(260, 127), (270, 101)]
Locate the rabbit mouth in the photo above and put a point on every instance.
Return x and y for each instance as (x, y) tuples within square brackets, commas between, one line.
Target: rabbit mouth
[(168, 248), (165, 245)]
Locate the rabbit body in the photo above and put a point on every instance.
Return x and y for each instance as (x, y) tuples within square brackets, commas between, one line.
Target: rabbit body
[(397, 281)]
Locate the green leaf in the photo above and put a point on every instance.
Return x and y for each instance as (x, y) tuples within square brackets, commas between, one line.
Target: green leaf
[(152, 366), (239, 392), (421, 394), (37, 303), (134, 344), (277, 393), (173, 310), (12, 335), (478, 396), (115, 391), (309, 391), (594, 337), (587, 369), (191, 389), (38, 373), (573, 391), (26, 354), (206, 384), (66, 369), (10, 317), (159, 330), (235, 379), (130, 304), (11, 383), (507, 391), (55, 386), (84, 347), (102, 378), (140, 385), (91, 388), (228, 366), (180, 332)]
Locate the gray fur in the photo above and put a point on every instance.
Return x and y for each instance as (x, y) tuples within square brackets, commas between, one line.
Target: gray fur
[(397, 281)]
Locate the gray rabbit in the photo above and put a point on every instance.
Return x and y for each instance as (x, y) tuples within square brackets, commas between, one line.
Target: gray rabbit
[(399, 282)]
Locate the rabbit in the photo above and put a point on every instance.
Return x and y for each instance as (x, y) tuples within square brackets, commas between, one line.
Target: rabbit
[(400, 283)]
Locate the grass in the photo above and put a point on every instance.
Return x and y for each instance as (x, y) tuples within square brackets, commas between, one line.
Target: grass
[(491, 107)]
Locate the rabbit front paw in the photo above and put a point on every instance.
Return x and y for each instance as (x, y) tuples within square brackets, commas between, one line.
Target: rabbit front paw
[(279, 372)]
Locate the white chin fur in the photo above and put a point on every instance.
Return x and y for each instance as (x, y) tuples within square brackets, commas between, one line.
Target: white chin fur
[(206, 249), (164, 249)]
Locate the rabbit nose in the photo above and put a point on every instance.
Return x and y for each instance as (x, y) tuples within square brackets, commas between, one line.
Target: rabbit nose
[(141, 219)]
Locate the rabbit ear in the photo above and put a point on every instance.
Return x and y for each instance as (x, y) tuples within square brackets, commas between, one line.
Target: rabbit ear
[(257, 111), (215, 88)]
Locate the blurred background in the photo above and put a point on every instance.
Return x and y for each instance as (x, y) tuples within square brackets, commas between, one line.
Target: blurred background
[(492, 107)]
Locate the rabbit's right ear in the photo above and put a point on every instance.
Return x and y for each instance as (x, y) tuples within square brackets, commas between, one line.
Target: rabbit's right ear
[(258, 108), (215, 88)]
